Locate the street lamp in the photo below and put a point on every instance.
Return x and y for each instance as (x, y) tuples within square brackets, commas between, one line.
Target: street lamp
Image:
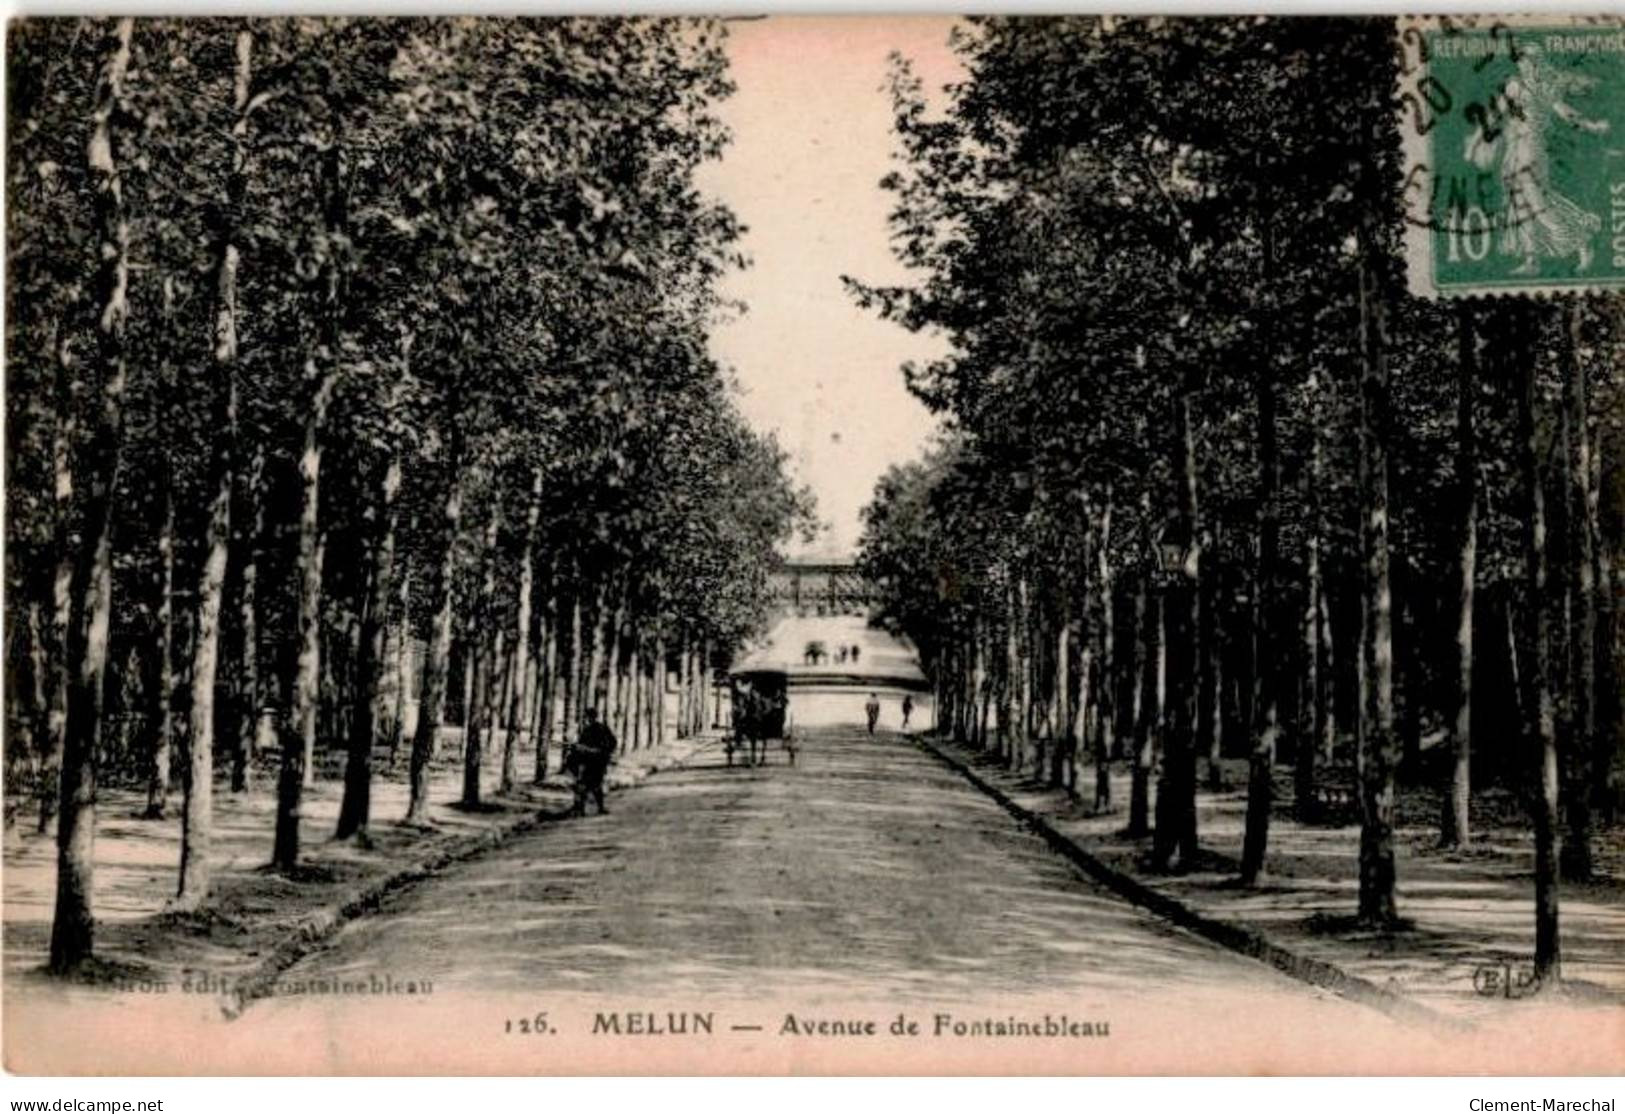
[(1173, 547)]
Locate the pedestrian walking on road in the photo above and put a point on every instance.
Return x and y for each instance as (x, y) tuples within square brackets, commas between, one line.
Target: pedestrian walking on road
[(589, 759), (908, 708), (872, 709)]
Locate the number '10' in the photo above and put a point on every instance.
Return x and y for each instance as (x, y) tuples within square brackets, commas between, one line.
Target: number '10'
[(1471, 234)]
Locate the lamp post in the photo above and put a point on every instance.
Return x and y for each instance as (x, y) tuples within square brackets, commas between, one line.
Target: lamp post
[(1174, 548), (1175, 818)]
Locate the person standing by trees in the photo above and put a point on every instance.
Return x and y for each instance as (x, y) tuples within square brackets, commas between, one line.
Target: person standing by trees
[(590, 759), (872, 710)]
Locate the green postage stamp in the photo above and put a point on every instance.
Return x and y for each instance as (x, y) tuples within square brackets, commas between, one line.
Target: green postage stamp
[(1514, 132)]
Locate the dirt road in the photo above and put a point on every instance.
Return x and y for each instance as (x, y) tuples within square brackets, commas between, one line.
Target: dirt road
[(866, 870)]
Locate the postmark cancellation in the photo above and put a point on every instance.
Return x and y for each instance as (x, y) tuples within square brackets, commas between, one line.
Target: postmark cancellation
[(1514, 148)]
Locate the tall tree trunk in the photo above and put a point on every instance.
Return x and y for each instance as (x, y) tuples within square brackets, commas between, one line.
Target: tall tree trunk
[(1045, 724), (158, 772), (1023, 677), (698, 703), (355, 808), (649, 710), (1266, 675), (553, 667), (299, 734), (682, 687), (634, 673), (197, 810), (1315, 718), (980, 694), (570, 668), (542, 707), (1175, 844), (432, 692), (1105, 664), (503, 683), (1087, 698), (1066, 738), (653, 706), (631, 693), (402, 656), (1537, 633), (592, 689), (487, 664), (1328, 672), (1608, 482), (469, 646), (1313, 709), (39, 656), (1140, 663), (707, 702), (73, 922), (248, 676), (532, 704), (1378, 745), (691, 687), (659, 665), (1455, 827), (526, 651), (1149, 721), (1514, 666), (321, 373), (197, 814), (1214, 657), (161, 761), (615, 665), (1582, 632), (63, 436), (1009, 672)]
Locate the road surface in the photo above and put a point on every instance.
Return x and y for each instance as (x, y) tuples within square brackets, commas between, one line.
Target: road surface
[(868, 870)]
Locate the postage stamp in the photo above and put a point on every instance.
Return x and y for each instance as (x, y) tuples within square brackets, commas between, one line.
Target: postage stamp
[(1514, 132)]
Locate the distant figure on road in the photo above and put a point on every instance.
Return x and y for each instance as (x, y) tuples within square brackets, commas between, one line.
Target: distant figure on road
[(872, 710), (840, 655), (855, 653), (589, 760), (908, 707)]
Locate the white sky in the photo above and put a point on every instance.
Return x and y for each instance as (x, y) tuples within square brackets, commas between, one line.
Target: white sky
[(812, 138)]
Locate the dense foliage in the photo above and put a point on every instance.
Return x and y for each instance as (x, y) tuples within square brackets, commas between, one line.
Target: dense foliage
[(1212, 483), (355, 364)]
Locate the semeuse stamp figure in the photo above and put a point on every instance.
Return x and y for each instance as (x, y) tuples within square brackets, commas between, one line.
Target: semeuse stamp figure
[(1514, 136)]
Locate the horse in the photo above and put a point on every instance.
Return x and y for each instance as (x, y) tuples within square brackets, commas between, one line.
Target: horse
[(750, 726)]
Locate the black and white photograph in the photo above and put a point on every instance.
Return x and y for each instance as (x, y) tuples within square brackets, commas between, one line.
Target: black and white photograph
[(803, 545)]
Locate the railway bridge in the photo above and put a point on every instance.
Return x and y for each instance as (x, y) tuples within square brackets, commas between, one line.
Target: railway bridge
[(831, 658)]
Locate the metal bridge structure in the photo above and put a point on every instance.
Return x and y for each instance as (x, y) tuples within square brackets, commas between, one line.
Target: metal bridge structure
[(832, 660), (822, 587)]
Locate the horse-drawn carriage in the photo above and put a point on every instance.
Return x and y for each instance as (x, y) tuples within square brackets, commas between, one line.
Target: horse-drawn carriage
[(760, 714)]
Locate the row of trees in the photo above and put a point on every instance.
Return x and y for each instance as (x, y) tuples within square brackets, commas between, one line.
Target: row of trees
[(349, 359), (1212, 483)]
